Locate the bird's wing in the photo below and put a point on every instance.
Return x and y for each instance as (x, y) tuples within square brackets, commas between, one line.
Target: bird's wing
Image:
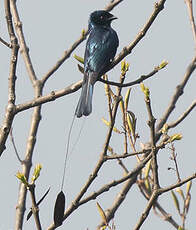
[(100, 50)]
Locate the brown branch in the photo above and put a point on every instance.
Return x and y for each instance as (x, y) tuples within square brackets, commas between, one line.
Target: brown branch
[(65, 56), (68, 52), (189, 4), (93, 175), (5, 43), (144, 151), (146, 212), (178, 92), (151, 124), (158, 7), (118, 201), (128, 176), (165, 216), (155, 196), (126, 50), (50, 97), (112, 4), (27, 162), (176, 185), (23, 47), (10, 111), (13, 143), (137, 81), (183, 116), (35, 208), (175, 161), (71, 89)]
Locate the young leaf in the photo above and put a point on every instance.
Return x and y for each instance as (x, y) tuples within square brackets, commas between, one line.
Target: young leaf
[(108, 124), (122, 105), (179, 190), (147, 185), (188, 187), (175, 137), (147, 169), (145, 90), (102, 214), (131, 120), (127, 98), (22, 178), (176, 202), (36, 172), (78, 58), (163, 64)]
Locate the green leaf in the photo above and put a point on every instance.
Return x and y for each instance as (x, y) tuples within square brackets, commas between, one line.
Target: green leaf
[(131, 120), (102, 213), (163, 64), (22, 178), (127, 98), (175, 137), (108, 124), (78, 58), (36, 172), (188, 187), (175, 199), (145, 90), (147, 169)]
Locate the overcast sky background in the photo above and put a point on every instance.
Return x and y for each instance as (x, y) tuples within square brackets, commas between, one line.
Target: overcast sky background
[(50, 27)]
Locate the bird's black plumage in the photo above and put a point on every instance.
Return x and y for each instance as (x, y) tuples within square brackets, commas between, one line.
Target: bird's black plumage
[(100, 50)]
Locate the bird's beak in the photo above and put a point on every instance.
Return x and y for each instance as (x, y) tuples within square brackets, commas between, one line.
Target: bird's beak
[(112, 18)]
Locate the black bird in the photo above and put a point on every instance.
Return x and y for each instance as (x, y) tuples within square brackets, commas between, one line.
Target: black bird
[(100, 50)]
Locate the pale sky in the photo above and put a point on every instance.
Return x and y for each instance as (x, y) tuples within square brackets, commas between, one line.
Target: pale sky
[(50, 27)]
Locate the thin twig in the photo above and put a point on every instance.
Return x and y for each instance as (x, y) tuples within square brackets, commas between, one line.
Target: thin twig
[(151, 124), (68, 52), (176, 185), (23, 47), (71, 89), (5, 43), (175, 161), (112, 4), (35, 208), (183, 116), (189, 4), (178, 92), (48, 98), (137, 81), (10, 110), (13, 143)]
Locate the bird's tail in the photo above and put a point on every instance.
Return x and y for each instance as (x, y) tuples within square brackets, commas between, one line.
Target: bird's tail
[(84, 106)]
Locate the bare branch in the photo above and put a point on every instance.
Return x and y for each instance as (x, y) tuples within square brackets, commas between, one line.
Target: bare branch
[(178, 92), (158, 7), (10, 111), (176, 185), (23, 47), (151, 124), (48, 98), (183, 116), (138, 81), (13, 143), (112, 4), (5, 43), (189, 4), (65, 56), (35, 208)]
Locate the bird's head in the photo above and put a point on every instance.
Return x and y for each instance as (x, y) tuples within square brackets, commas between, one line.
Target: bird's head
[(101, 18)]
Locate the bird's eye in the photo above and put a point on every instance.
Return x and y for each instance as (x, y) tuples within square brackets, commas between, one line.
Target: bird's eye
[(101, 17)]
